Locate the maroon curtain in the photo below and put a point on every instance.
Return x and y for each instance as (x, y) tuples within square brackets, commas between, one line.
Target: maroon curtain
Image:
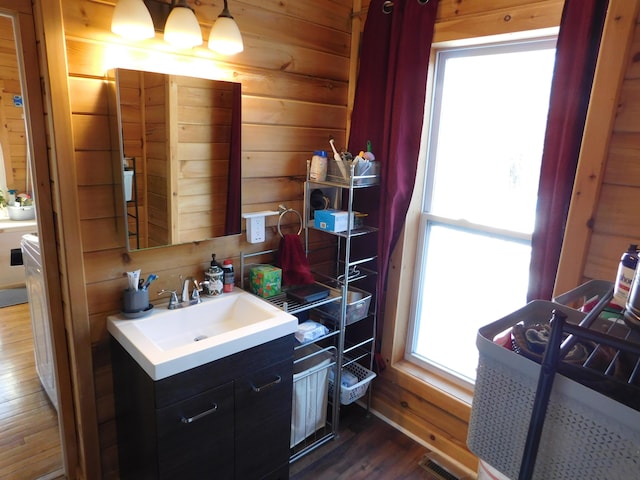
[(389, 110), (234, 185), (576, 54)]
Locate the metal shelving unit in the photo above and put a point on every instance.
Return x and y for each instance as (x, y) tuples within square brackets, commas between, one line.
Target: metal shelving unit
[(348, 270), (346, 344)]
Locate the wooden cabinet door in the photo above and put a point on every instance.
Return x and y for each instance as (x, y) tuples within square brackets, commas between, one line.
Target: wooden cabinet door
[(263, 422), (195, 436)]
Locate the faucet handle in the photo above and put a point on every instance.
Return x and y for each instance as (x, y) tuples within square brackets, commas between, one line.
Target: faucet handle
[(195, 296), (173, 300)]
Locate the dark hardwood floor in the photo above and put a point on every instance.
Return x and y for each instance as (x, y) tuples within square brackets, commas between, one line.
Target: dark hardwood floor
[(366, 448), (29, 434)]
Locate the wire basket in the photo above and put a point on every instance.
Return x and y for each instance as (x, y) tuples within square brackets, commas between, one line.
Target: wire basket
[(350, 394)]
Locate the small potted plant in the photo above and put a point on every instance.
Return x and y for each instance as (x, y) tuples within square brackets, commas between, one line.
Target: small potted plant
[(25, 209)]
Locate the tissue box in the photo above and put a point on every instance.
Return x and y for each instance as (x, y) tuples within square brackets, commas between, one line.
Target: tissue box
[(332, 220), (265, 280)]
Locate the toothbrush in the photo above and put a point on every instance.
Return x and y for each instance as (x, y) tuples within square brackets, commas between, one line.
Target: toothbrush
[(150, 279), (338, 158)]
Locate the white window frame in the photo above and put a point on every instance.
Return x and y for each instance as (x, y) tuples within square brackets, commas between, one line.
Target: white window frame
[(424, 188)]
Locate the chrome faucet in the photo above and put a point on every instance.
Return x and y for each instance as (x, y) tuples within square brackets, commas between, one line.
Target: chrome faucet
[(184, 300)]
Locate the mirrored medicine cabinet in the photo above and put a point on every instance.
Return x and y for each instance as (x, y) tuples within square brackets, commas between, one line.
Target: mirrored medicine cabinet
[(178, 155)]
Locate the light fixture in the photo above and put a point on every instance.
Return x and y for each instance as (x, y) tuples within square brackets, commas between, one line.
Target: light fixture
[(182, 29), (138, 20), (225, 37), (132, 20)]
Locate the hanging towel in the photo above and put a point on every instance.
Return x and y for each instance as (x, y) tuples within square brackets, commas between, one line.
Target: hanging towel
[(293, 261)]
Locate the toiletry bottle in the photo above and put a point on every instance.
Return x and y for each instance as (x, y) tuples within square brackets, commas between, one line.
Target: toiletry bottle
[(318, 170), (229, 276), (213, 278), (214, 262), (625, 275)]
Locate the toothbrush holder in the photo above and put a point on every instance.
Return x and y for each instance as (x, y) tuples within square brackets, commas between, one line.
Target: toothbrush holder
[(134, 301)]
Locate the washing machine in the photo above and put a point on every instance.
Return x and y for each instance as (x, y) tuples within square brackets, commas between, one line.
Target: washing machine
[(40, 318)]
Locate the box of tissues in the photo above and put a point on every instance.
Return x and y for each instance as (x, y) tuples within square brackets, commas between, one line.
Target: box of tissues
[(265, 280), (332, 220)]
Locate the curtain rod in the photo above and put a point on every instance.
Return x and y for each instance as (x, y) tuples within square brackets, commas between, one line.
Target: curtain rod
[(387, 7)]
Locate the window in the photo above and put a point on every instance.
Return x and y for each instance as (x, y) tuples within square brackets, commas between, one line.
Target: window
[(486, 137)]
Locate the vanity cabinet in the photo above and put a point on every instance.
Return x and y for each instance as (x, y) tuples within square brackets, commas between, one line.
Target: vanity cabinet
[(188, 432), (226, 419)]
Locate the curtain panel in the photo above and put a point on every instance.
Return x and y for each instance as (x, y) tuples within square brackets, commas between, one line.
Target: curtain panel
[(576, 56), (389, 111)]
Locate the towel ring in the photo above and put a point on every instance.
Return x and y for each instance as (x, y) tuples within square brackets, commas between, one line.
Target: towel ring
[(283, 211)]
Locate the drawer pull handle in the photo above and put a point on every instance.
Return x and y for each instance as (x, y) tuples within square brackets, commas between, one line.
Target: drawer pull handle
[(277, 380), (200, 415)]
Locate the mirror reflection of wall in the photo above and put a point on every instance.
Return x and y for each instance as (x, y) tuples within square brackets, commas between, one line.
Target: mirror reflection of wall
[(180, 152), (13, 136)]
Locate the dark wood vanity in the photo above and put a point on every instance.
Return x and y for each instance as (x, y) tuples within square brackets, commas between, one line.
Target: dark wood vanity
[(228, 419)]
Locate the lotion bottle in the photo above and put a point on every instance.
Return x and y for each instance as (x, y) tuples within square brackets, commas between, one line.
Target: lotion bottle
[(214, 278), (625, 275)]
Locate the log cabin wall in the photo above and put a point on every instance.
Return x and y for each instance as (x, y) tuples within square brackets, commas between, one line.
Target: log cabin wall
[(294, 74), (603, 229)]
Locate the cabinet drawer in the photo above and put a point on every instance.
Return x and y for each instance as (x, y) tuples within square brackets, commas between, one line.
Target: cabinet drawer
[(263, 420), (192, 382), (195, 436)]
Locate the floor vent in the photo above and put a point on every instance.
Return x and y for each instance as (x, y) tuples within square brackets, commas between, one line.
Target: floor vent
[(440, 468)]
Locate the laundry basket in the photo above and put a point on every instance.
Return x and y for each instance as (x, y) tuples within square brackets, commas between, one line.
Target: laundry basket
[(310, 391), (585, 433)]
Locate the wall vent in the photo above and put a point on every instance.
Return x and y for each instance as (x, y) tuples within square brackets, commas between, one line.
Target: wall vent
[(440, 468)]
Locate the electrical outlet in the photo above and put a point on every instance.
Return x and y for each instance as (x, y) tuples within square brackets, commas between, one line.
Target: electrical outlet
[(256, 230), (256, 224)]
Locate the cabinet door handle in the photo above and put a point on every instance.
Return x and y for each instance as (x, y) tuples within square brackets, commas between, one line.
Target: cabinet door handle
[(276, 381), (200, 415)]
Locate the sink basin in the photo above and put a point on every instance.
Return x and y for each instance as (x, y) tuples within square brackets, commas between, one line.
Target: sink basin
[(167, 342)]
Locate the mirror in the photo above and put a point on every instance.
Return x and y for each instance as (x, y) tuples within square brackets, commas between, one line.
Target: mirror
[(178, 155)]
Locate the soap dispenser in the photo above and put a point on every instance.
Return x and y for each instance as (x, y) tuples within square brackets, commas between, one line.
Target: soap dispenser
[(212, 284)]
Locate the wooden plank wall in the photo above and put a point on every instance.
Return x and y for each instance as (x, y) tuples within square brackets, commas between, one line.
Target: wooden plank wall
[(295, 86), (294, 75), (13, 139), (616, 222)]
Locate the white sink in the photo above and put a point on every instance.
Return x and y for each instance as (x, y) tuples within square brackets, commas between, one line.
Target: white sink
[(167, 342)]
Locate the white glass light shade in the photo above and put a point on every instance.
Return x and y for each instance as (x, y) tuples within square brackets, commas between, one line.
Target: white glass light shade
[(132, 20), (225, 37), (182, 29)]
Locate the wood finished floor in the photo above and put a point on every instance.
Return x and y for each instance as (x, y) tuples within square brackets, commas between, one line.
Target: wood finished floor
[(29, 435), (366, 448)]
